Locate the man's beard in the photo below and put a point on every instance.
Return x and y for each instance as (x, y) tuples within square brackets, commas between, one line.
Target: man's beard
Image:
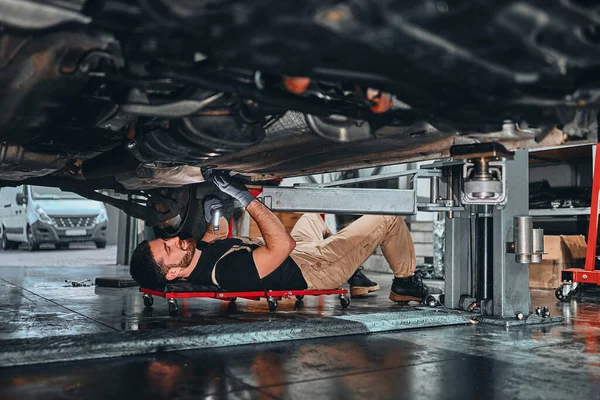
[(189, 253)]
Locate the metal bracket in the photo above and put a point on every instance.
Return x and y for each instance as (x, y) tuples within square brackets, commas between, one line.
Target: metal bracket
[(341, 200), (500, 199), (330, 198)]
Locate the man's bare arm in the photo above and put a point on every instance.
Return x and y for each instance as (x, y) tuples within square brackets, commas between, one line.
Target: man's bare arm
[(278, 243)]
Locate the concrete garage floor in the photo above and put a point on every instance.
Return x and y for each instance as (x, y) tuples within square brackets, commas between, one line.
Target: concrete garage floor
[(77, 254), (35, 301), (467, 361)]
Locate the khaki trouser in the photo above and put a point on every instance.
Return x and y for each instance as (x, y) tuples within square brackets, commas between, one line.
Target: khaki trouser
[(328, 261)]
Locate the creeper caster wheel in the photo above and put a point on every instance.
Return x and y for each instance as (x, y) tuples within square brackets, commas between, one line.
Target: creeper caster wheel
[(232, 306), (299, 304), (272, 301), (563, 293), (431, 301), (173, 307), (344, 301), (299, 297), (148, 300), (434, 300)]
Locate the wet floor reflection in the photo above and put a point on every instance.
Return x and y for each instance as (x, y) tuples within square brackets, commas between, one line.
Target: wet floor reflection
[(390, 366), (348, 368), (149, 378), (463, 362)]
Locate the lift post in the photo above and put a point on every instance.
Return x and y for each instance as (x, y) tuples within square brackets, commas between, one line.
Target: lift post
[(484, 192), (510, 295)]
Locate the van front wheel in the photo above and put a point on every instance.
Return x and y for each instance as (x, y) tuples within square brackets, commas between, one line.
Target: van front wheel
[(8, 244), (33, 246)]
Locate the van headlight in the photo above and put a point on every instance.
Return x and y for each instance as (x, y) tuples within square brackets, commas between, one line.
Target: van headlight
[(43, 216), (102, 217)]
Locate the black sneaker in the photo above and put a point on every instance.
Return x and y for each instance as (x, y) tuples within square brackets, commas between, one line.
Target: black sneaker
[(411, 288), (360, 285)]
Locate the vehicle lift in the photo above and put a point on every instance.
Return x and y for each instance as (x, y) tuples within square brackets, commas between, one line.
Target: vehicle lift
[(483, 189)]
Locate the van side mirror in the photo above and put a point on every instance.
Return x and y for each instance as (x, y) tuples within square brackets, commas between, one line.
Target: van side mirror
[(21, 199)]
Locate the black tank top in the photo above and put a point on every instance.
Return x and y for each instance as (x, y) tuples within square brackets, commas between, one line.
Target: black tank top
[(286, 276), (211, 252)]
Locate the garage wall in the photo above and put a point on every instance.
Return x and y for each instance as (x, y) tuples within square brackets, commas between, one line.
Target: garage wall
[(560, 175)]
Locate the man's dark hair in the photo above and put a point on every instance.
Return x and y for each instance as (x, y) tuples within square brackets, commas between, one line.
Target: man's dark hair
[(144, 269)]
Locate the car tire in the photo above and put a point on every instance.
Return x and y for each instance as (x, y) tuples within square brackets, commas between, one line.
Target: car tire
[(100, 245), (31, 242), (191, 217), (7, 244)]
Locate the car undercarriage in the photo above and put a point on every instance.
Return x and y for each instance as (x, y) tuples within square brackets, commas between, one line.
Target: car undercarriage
[(142, 98)]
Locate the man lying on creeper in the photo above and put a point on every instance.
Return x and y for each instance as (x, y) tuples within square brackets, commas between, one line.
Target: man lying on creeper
[(308, 258)]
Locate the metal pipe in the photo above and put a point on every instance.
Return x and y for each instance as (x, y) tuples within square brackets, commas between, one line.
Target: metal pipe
[(11, 154), (481, 166), (538, 246), (177, 109), (523, 237), (481, 252), (450, 192), (486, 258), (434, 194), (473, 255), (278, 99)]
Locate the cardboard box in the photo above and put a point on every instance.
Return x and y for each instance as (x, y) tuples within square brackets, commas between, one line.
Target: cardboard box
[(561, 252), (288, 219)]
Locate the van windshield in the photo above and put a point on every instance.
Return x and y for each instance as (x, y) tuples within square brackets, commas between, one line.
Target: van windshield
[(50, 193)]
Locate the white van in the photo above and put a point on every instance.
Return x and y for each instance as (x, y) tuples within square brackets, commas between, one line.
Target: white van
[(38, 214)]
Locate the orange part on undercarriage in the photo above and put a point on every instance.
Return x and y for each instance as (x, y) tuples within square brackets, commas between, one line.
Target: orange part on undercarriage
[(296, 84), (383, 101)]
